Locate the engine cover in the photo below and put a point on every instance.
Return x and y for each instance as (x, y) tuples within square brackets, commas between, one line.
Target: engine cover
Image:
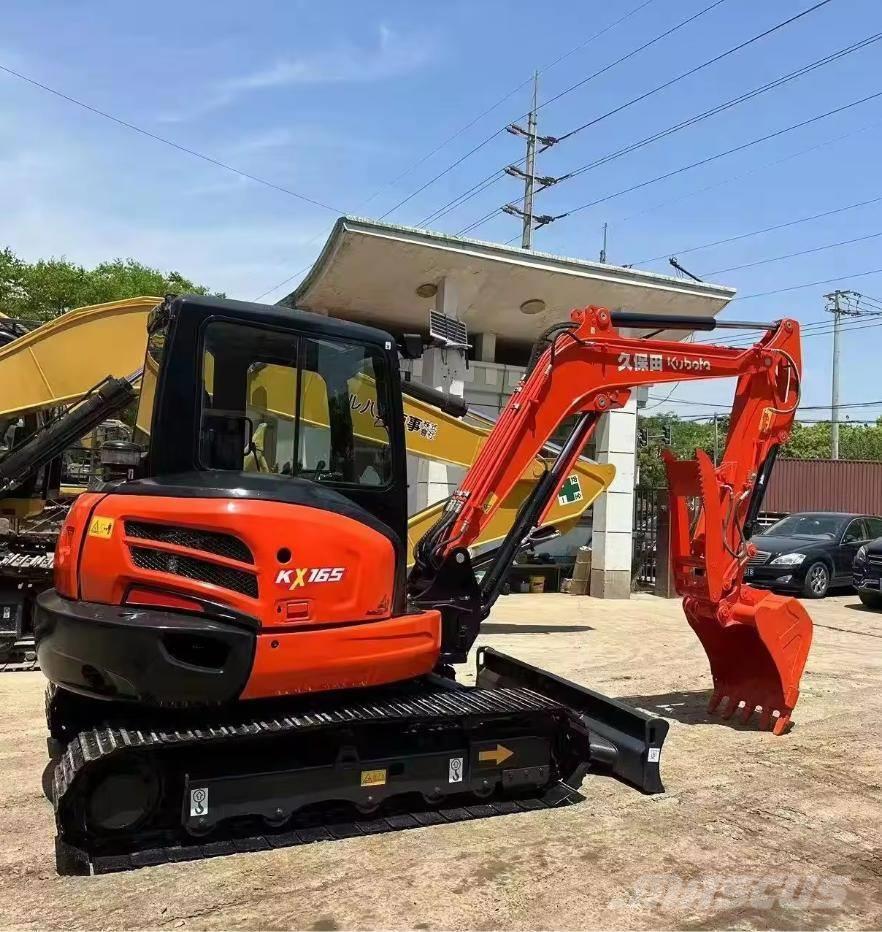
[(314, 587), (286, 565)]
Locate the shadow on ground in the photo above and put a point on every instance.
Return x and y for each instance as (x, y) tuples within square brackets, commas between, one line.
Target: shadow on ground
[(860, 607), (689, 708), (501, 627)]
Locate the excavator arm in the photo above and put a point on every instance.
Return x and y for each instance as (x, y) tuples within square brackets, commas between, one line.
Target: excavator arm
[(757, 642)]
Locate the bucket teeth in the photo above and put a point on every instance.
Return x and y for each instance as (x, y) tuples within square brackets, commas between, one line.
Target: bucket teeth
[(757, 650), (781, 724), (714, 701), (725, 705)]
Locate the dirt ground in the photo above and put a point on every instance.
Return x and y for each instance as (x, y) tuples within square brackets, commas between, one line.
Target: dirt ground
[(754, 831)]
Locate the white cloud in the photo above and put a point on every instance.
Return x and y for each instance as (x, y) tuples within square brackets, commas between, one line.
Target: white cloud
[(53, 205), (278, 138), (309, 137), (391, 55)]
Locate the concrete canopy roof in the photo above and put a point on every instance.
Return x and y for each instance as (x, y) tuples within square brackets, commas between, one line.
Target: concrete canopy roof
[(369, 271)]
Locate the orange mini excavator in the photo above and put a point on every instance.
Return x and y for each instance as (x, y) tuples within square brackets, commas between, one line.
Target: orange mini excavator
[(238, 659)]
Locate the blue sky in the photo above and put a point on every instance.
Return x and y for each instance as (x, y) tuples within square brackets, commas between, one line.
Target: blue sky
[(338, 101)]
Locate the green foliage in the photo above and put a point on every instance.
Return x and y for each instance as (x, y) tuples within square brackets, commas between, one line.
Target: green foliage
[(44, 289), (856, 441), (807, 441)]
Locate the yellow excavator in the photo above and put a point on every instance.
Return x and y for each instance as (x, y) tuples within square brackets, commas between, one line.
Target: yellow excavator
[(60, 382)]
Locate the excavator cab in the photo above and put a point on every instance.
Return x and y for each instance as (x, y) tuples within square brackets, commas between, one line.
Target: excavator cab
[(262, 552)]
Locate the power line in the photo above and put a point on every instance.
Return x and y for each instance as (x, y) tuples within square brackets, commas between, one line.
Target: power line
[(168, 142), (777, 226), (792, 255), (811, 329), (726, 105), (718, 155), (442, 173), (501, 130), (497, 175), (463, 129), (725, 412), (631, 54), (854, 404), (500, 173), (464, 196), (824, 281), (697, 68), (737, 177)]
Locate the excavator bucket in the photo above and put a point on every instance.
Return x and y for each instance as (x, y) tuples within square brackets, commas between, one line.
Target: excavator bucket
[(756, 656), (757, 642)]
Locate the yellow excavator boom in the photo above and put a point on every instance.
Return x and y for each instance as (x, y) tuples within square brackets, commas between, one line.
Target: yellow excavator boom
[(61, 360)]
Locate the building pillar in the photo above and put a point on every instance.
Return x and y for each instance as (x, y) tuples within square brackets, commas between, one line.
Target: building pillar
[(612, 537), (445, 370), (485, 346)]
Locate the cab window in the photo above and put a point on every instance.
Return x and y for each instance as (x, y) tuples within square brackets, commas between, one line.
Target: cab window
[(293, 405)]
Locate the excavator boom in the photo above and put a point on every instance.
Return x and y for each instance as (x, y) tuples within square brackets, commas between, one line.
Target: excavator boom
[(757, 643)]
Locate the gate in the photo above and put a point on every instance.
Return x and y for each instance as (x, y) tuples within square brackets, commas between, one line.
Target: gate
[(644, 559)]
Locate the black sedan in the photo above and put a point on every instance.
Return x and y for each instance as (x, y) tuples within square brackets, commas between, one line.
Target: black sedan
[(867, 573), (810, 552)]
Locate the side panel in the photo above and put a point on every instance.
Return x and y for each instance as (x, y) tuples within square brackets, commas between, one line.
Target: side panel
[(286, 565), (342, 658)]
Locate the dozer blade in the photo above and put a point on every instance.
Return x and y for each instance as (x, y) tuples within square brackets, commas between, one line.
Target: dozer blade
[(623, 741), (757, 655)]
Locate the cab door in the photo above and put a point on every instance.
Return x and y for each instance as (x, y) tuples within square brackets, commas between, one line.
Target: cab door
[(854, 536)]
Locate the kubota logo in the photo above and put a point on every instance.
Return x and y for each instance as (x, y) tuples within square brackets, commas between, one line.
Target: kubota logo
[(300, 576)]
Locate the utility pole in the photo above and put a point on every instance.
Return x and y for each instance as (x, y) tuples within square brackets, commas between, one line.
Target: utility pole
[(530, 169), (528, 174), (834, 390), (603, 248), (839, 304)]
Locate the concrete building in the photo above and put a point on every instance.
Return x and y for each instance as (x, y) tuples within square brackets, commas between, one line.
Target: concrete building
[(392, 277)]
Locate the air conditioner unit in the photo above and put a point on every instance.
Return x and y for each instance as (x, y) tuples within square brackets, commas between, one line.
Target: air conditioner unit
[(447, 332)]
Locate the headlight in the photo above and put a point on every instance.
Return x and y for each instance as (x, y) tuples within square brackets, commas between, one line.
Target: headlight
[(861, 555), (788, 559)]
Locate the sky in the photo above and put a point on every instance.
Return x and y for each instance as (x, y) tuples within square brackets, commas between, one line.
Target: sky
[(358, 107)]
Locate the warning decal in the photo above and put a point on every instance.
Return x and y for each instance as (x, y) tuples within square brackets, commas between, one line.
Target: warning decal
[(101, 527), (198, 802), (373, 777)]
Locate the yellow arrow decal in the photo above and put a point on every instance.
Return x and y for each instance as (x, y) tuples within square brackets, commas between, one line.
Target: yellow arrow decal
[(498, 755)]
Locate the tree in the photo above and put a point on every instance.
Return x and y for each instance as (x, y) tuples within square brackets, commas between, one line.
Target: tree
[(44, 289), (12, 272), (807, 441)]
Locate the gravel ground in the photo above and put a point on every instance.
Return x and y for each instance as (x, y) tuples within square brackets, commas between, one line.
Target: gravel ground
[(754, 831)]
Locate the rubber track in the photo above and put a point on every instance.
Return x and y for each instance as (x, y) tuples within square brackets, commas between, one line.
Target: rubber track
[(556, 797), (97, 744)]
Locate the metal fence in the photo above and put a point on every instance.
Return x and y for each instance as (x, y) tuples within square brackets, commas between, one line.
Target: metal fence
[(644, 559)]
